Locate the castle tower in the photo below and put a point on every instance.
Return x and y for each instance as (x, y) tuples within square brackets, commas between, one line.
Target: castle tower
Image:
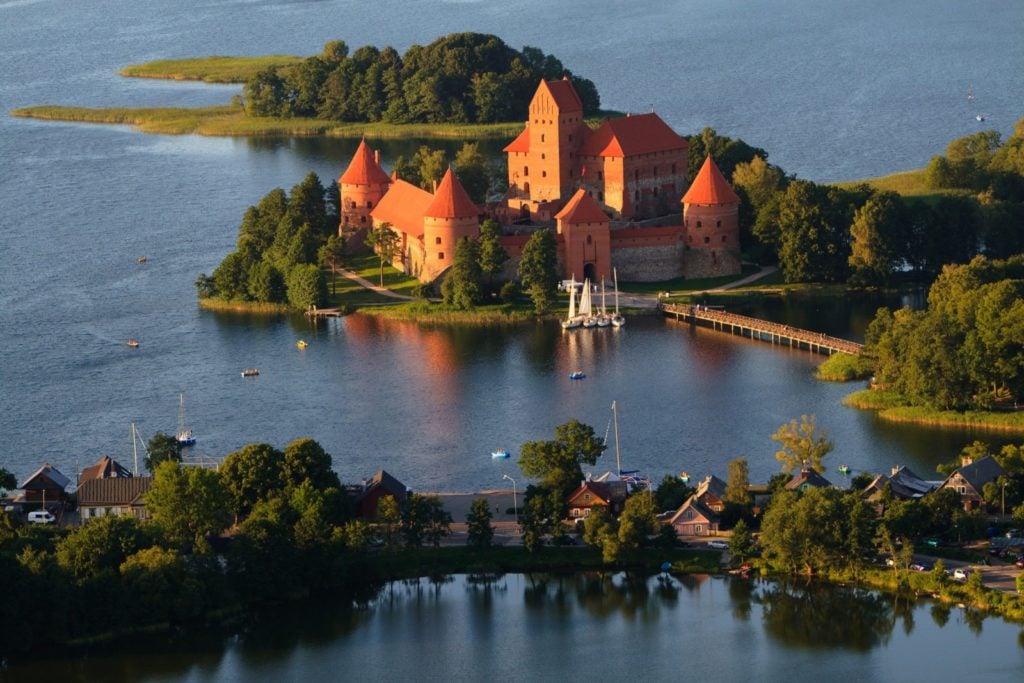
[(711, 224), (541, 161), (450, 216), (585, 229), (361, 187)]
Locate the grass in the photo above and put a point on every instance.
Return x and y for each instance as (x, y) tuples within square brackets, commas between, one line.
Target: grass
[(844, 367), (214, 69), (908, 184), (230, 120), (681, 285), (894, 408), (437, 313), (244, 306)]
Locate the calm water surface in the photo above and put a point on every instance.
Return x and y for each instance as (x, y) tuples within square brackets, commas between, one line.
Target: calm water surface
[(835, 91), (516, 627)]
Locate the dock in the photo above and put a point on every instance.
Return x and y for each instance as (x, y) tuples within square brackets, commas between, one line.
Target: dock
[(314, 312), (761, 330)]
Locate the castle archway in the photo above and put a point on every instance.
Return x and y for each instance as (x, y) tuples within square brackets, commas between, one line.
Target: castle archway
[(590, 272)]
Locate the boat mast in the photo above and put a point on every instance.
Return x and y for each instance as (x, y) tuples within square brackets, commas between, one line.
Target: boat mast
[(615, 419), (135, 451), (615, 275)]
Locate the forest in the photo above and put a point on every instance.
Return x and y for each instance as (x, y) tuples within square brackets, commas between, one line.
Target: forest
[(460, 78)]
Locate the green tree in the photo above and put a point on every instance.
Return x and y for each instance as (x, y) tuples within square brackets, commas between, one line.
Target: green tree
[(558, 463), (737, 485), (264, 93), (156, 589), (100, 546), (231, 277), (187, 503), (473, 171), (492, 256), (7, 481), (430, 166), (384, 241), (637, 522), (306, 286), (332, 255), (807, 532), (424, 519), (813, 235), (389, 518), (878, 231), (801, 443), (461, 288), (478, 523), (266, 284), (160, 448), (741, 542), (250, 475), (537, 269), (308, 206), (306, 460), (671, 493)]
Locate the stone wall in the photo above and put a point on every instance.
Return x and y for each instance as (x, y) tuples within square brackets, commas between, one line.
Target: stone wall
[(649, 263), (701, 263)]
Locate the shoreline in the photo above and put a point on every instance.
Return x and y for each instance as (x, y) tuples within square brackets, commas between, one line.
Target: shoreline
[(887, 407)]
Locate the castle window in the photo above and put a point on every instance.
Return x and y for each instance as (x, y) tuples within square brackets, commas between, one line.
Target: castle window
[(352, 204), (362, 219), (690, 239), (707, 240), (590, 239), (636, 175), (543, 156), (542, 137), (698, 224), (636, 195), (437, 240), (526, 170), (673, 169), (543, 174), (600, 196), (440, 256), (369, 204), (723, 238), (570, 138), (655, 172), (600, 175), (718, 224)]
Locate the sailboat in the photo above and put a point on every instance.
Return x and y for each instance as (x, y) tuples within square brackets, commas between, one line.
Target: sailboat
[(633, 478), (617, 320), (586, 308), (184, 436), (603, 320), (572, 320)]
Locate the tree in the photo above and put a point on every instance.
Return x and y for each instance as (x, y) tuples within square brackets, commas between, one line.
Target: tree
[(266, 283), (306, 460), (813, 235), (741, 542), (472, 170), (250, 475), (389, 516), (187, 503), (424, 519), (558, 463), (671, 493), (7, 481), (737, 486), (637, 522), (461, 287), (100, 546), (801, 444), (492, 256), (154, 581), (879, 234), (306, 286), (807, 531), (384, 241), (264, 93), (480, 532), (537, 269), (332, 255), (430, 166)]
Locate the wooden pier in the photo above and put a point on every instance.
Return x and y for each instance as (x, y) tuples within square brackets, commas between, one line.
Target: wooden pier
[(761, 330), (314, 312)]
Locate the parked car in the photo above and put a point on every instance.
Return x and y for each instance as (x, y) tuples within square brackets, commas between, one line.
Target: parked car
[(961, 573), (41, 517), (718, 545), (920, 567)]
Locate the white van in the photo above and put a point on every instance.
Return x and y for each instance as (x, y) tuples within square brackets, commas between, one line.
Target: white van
[(41, 517)]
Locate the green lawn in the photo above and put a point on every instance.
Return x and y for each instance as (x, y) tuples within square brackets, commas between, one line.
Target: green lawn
[(681, 285), (215, 69)]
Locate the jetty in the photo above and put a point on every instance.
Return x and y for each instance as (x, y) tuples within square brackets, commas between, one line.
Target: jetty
[(761, 330), (314, 312)]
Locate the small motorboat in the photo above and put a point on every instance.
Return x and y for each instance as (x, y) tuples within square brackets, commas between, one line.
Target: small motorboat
[(133, 343), (301, 344), (980, 117), (844, 469), (684, 477), (250, 372), (185, 438), (141, 259), (501, 455), (578, 374)]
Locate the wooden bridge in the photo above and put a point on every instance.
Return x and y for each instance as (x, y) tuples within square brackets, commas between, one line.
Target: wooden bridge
[(762, 330)]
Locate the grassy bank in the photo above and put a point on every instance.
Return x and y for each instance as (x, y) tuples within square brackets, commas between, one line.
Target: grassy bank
[(910, 185), (245, 307), (214, 69), (893, 408), (843, 367), (437, 313), (229, 120)]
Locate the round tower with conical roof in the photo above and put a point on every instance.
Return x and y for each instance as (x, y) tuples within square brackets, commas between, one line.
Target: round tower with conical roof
[(361, 187), (451, 216), (711, 230)]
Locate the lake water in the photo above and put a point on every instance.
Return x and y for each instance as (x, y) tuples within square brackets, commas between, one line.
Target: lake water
[(517, 627)]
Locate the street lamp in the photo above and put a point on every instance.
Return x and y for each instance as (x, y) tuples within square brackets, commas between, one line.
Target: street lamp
[(515, 508)]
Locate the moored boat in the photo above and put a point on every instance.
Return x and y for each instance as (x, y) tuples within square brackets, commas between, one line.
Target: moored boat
[(250, 372), (577, 374), (134, 343), (501, 455), (844, 469), (184, 437), (302, 343)]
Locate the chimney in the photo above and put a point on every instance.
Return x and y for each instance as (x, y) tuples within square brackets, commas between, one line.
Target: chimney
[(965, 460), (435, 186), (895, 470), (376, 156)]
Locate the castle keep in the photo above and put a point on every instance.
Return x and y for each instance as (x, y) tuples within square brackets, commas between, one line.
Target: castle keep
[(608, 193)]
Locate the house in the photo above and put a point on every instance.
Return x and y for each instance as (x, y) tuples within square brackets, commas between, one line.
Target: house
[(807, 478), (610, 495), (104, 468), (368, 496), (903, 483), (711, 493), (45, 486), (99, 497), (695, 519), (970, 479)]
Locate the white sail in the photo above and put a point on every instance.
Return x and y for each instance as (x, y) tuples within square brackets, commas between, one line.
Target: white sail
[(617, 320), (585, 305)]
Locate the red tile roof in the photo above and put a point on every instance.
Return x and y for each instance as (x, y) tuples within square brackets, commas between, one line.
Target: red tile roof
[(403, 206), (364, 170), (105, 468), (710, 187), (451, 200), (521, 143), (630, 135), (563, 94), (582, 209)]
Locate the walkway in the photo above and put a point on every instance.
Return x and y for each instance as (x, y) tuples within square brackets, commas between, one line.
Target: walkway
[(375, 288)]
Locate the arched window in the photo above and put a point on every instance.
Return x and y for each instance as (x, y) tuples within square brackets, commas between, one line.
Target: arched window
[(542, 137), (718, 224), (699, 224), (723, 238), (673, 169), (600, 175), (437, 240), (526, 170), (369, 204), (707, 240), (543, 174), (362, 219), (543, 156), (440, 256)]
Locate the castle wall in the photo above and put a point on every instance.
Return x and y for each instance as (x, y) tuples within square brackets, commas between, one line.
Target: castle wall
[(701, 263), (648, 254)]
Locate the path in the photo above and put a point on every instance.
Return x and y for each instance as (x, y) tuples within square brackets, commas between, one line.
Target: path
[(648, 301), (383, 291), (764, 272)]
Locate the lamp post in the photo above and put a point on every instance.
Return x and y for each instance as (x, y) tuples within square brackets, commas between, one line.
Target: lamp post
[(515, 507)]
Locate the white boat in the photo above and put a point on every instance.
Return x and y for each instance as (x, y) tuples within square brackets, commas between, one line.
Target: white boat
[(250, 372), (586, 308), (573, 320), (185, 437), (617, 320), (603, 319), (501, 455)]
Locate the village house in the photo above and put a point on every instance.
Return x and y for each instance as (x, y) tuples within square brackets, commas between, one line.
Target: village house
[(807, 478), (969, 480), (590, 494), (367, 497), (593, 188), (901, 482), (711, 493), (695, 519), (44, 488), (102, 496), (104, 468)]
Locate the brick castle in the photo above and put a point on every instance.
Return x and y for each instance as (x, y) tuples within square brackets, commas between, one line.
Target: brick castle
[(610, 194)]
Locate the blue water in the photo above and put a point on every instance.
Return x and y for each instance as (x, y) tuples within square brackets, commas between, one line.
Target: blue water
[(837, 90)]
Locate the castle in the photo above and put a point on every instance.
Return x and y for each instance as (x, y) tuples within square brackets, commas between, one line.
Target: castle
[(606, 192)]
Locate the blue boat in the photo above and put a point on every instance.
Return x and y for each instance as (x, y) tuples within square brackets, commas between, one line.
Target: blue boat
[(579, 374), (501, 455)]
